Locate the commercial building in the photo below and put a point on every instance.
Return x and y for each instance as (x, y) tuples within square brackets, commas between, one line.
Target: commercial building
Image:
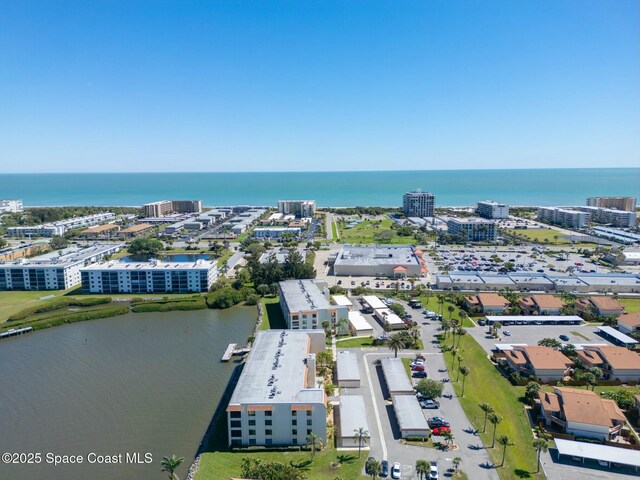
[(472, 229), (348, 373), (299, 208), (492, 210), (487, 303), (53, 271), (582, 413), (418, 204), (395, 376), (11, 206), (393, 261), (61, 227), (629, 322), (352, 416), (603, 306), (167, 207), (276, 233), (616, 363), (305, 305), (564, 217), (544, 363), (619, 203), (541, 305), (411, 420), (615, 218), (154, 276), (277, 400)]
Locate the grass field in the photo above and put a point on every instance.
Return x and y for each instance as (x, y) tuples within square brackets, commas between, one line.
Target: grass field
[(631, 305), (364, 233), (354, 342), (334, 230), (548, 236), (272, 317), (432, 304), (13, 302), (485, 385)]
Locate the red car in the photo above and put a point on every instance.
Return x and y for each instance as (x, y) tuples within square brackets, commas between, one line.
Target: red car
[(440, 430), (417, 367)]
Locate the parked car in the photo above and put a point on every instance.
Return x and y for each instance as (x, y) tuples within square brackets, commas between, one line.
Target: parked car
[(396, 470), (384, 472), (437, 422), (506, 333), (418, 367), (433, 471), (429, 404), (564, 337), (419, 374), (417, 361), (482, 323), (440, 430)]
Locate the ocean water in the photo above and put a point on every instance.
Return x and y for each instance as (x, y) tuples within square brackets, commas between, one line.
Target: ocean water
[(329, 189)]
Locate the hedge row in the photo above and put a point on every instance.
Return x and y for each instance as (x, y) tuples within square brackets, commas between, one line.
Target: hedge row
[(59, 303), (169, 306), (81, 316)]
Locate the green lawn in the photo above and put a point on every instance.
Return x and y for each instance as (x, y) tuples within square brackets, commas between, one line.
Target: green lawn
[(549, 236), (484, 384), (225, 257), (13, 302), (272, 317), (631, 305), (407, 366), (334, 230), (364, 233), (432, 304), (354, 342)]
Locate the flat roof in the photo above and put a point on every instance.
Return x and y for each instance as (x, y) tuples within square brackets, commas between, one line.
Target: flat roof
[(409, 413), (610, 279), (275, 370), (347, 366), (534, 318), (358, 322), (596, 451), (65, 257), (151, 265), (352, 415), (342, 300), (621, 337), (304, 295), (399, 255), (374, 302), (395, 375), (390, 317)]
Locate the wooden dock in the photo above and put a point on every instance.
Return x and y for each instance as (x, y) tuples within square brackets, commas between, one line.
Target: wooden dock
[(15, 331), (232, 350)]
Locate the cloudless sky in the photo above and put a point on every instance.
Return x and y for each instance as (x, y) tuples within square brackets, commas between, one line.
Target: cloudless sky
[(273, 85)]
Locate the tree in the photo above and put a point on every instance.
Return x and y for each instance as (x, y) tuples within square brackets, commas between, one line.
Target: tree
[(397, 309), (590, 380), (422, 468), (341, 326), (448, 438), (314, 443), (487, 409), (58, 243), (596, 372), (568, 350), (495, 419), (624, 398), (464, 370), (451, 309), (262, 289), (362, 435), (461, 332), (460, 359), (145, 246), (260, 470), (505, 442), (430, 388), (396, 342), (454, 352), (550, 342), (170, 464), (541, 445), (531, 391), (456, 463), (373, 467)]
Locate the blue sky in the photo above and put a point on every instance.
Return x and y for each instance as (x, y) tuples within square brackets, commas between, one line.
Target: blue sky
[(318, 85)]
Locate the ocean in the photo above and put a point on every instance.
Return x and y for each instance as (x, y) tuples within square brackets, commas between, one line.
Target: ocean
[(329, 189)]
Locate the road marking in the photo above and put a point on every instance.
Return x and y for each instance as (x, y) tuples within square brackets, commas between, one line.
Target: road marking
[(375, 405)]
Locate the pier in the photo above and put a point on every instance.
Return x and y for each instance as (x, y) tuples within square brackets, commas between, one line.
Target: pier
[(232, 350), (12, 332)]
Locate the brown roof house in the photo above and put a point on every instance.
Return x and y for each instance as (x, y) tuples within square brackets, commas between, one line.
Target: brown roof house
[(582, 413), (629, 322), (616, 363), (540, 362), (603, 306), (491, 303), (541, 305)]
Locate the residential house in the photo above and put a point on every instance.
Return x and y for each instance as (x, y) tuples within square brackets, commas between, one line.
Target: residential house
[(544, 363), (602, 305), (541, 305), (490, 303), (616, 363), (629, 322)]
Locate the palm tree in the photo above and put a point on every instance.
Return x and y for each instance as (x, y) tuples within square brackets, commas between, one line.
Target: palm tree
[(448, 437), (341, 324), (395, 342), (461, 332), (314, 443), (464, 370), (531, 391), (460, 359), (454, 352), (541, 445), (451, 309), (422, 468), (440, 298), (495, 419), (487, 409), (456, 463), (445, 326), (362, 435), (170, 464), (505, 442)]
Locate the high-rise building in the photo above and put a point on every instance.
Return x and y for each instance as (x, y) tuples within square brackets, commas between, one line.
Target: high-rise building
[(619, 203), (11, 206), (418, 204), (472, 229), (492, 210), (167, 207), (299, 208), (564, 216)]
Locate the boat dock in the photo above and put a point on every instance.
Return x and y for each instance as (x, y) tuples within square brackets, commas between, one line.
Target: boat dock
[(232, 350), (12, 332)]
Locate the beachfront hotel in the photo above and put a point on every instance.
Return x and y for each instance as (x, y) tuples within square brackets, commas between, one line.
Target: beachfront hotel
[(418, 204), (53, 271), (305, 305), (61, 227), (278, 399), (492, 210), (154, 276), (299, 208)]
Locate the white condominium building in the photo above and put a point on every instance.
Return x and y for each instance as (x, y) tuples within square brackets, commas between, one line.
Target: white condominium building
[(492, 210), (10, 206), (53, 271), (278, 399), (610, 216), (299, 208), (61, 227), (472, 229), (418, 204), (276, 232), (149, 277), (564, 216), (304, 305)]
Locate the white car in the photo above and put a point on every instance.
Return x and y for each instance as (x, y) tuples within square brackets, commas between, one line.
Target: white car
[(506, 333), (396, 470), (433, 472)]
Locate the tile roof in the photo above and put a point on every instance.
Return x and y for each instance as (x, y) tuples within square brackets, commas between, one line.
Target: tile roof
[(492, 300), (546, 358), (620, 358), (549, 401), (516, 356), (606, 303), (547, 301), (585, 406), (632, 320)]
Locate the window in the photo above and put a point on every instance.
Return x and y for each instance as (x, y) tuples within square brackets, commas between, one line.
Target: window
[(309, 422), (252, 423), (252, 432), (308, 413), (268, 432), (268, 441), (308, 431), (268, 413), (236, 442), (252, 441), (251, 414), (294, 413), (236, 433), (294, 441), (236, 424), (268, 423), (294, 431), (294, 422), (236, 414)]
